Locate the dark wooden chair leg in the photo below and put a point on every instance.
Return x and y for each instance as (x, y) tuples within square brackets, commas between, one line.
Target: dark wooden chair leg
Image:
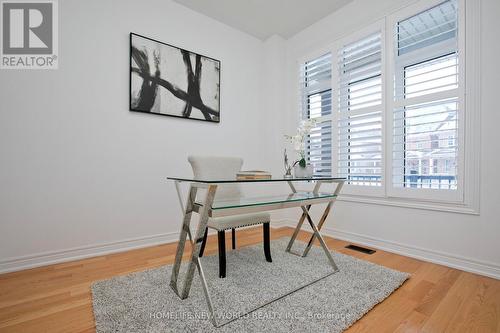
[(204, 242), (267, 240), (222, 253), (233, 238)]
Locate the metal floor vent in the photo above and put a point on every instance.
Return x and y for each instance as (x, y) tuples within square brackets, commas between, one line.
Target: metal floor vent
[(360, 249)]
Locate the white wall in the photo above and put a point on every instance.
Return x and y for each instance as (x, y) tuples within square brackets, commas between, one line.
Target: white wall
[(77, 168), (466, 241)]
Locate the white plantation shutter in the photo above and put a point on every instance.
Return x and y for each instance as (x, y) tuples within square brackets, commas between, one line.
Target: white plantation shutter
[(360, 107), (316, 103), (429, 27), (426, 107), (403, 137)]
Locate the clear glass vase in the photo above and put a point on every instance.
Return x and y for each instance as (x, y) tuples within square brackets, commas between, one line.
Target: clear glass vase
[(301, 172)]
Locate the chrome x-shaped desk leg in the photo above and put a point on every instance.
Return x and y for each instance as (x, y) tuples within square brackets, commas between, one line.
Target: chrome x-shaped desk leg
[(316, 229), (196, 246), (197, 241)]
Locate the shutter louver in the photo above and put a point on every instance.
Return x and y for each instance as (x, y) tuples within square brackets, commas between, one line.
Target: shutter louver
[(430, 27), (359, 119), (425, 127), (316, 103)]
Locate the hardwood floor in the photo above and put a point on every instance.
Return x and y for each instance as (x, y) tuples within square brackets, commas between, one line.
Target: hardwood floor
[(57, 298)]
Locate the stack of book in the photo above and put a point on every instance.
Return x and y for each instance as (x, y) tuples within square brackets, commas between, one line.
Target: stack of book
[(252, 175)]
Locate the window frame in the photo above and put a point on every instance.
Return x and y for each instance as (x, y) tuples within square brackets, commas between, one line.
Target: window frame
[(469, 23), (395, 71), (303, 104), (348, 189)]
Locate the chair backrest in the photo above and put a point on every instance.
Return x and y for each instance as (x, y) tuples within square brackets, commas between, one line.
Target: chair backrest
[(218, 167)]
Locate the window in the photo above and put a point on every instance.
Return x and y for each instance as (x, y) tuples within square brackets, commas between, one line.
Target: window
[(426, 101), (316, 96), (392, 110), (435, 166), (451, 141), (359, 113)]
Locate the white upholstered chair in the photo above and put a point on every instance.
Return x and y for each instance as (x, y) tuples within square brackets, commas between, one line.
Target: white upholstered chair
[(226, 168)]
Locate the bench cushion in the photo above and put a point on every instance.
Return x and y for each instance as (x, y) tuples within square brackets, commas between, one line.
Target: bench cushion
[(238, 221)]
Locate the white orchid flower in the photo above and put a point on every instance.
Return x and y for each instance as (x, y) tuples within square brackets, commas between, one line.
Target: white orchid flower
[(299, 140)]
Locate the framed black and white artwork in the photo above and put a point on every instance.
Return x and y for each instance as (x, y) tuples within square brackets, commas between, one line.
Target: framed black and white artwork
[(171, 81)]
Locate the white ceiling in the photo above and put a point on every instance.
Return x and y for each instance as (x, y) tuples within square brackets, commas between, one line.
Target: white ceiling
[(264, 18)]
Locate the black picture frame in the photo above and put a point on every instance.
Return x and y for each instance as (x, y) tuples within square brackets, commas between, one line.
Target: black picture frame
[(134, 71)]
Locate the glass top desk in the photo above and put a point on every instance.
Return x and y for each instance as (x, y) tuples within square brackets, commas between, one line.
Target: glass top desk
[(209, 206)]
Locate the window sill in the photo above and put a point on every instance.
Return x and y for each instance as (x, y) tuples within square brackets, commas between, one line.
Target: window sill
[(408, 203)]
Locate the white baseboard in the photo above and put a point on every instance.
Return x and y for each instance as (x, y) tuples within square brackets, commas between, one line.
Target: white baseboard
[(282, 223), (446, 259), (55, 257)]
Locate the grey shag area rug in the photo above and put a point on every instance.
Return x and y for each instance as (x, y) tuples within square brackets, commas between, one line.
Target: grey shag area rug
[(319, 302)]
